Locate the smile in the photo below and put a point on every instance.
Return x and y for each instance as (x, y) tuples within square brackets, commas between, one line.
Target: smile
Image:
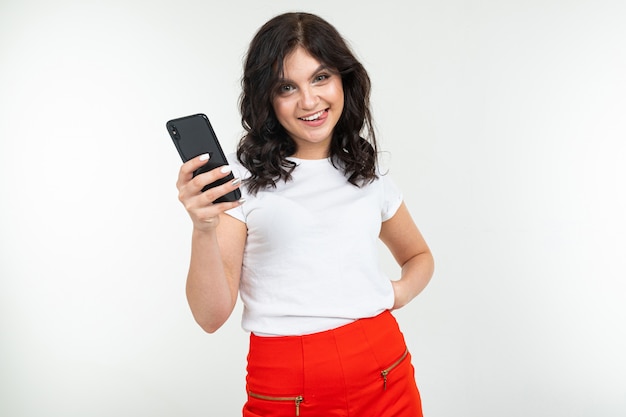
[(313, 116)]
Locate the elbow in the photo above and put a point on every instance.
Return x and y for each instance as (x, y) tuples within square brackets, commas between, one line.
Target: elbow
[(210, 324), (431, 261), (210, 315), (426, 259), (210, 329), (430, 266), (213, 319)]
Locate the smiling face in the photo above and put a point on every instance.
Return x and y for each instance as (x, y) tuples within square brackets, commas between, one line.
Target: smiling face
[(308, 104)]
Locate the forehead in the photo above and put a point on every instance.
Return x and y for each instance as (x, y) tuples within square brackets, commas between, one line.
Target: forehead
[(300, 62)]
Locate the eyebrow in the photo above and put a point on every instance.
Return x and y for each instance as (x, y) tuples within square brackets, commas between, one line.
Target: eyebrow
[(322, 67)]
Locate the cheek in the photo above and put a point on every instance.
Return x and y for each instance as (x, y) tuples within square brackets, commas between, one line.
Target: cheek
[(281, 109), (338, 93)]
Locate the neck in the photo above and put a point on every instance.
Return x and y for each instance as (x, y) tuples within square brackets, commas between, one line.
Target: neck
[(311, 153)]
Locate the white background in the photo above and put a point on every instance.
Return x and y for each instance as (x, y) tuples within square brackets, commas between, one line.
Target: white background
[(504, 123)]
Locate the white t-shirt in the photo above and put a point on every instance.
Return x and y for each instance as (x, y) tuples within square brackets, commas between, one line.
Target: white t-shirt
[(311, 257)]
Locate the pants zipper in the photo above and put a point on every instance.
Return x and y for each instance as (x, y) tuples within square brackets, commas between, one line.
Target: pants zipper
[(297, 400), (385, 372)]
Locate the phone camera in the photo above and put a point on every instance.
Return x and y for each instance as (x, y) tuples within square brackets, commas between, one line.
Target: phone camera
[(175, 133)]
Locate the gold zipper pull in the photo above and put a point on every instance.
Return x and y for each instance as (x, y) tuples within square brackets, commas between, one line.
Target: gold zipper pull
[(299, 399), (385, 372)]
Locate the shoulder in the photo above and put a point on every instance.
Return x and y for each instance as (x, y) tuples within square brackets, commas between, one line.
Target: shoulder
[(238, 169), (391, 196)]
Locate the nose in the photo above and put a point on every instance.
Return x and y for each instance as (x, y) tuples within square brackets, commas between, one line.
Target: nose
[(308, 98)]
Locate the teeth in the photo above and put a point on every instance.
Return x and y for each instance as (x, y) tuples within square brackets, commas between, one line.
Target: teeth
[(313, 117)]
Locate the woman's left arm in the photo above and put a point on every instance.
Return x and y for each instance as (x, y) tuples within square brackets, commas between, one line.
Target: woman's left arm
[(408, 247)]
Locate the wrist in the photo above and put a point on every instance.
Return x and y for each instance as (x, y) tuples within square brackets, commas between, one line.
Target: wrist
[(204, 230)]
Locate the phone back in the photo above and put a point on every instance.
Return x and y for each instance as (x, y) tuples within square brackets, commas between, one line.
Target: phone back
[(193, 136)]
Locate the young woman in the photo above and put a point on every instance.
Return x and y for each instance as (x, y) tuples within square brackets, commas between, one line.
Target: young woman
[(300, 248)]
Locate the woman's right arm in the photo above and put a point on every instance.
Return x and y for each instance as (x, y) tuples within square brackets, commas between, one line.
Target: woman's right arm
[(217, 246)]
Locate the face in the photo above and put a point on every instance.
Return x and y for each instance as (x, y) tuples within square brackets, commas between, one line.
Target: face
[(309, 103)]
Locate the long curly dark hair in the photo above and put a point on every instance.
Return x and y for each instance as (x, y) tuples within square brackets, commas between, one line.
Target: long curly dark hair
[(266, 145)]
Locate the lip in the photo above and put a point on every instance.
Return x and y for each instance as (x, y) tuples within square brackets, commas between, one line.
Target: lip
[(323, 115)]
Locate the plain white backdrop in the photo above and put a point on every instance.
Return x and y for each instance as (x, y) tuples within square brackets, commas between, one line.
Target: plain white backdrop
[(504, 122)]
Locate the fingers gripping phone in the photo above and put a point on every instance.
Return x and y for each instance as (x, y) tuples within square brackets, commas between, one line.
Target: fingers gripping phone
[(193, 136)]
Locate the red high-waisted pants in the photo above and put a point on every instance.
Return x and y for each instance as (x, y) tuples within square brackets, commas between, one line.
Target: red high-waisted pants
[(362, 369)]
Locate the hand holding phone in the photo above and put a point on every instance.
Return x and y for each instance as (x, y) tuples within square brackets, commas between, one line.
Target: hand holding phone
[(193, 135)]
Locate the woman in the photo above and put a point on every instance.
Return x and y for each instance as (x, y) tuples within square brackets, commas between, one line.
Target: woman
[(300, 247)]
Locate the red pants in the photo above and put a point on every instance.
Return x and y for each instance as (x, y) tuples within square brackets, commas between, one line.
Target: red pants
[(362, 369)]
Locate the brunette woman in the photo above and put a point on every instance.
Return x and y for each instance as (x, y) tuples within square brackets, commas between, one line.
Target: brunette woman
[(300, 248)]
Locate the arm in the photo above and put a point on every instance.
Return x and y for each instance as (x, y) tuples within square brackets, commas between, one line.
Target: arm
[(216, 247), (408, 247), (214, 272)]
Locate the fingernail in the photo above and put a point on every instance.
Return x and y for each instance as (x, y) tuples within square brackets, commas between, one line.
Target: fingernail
[(226, 169), (204, 157), (236, 181), (242, 200)]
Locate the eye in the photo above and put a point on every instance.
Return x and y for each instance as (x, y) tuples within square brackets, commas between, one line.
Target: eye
[(321, 77), (285, 88)]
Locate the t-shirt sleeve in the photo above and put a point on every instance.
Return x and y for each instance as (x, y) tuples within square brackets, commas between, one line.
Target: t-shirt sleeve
[(392, 197), (237, 213), (239, 172)]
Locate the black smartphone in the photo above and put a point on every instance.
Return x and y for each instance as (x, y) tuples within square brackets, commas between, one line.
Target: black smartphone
[(193, 135)]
